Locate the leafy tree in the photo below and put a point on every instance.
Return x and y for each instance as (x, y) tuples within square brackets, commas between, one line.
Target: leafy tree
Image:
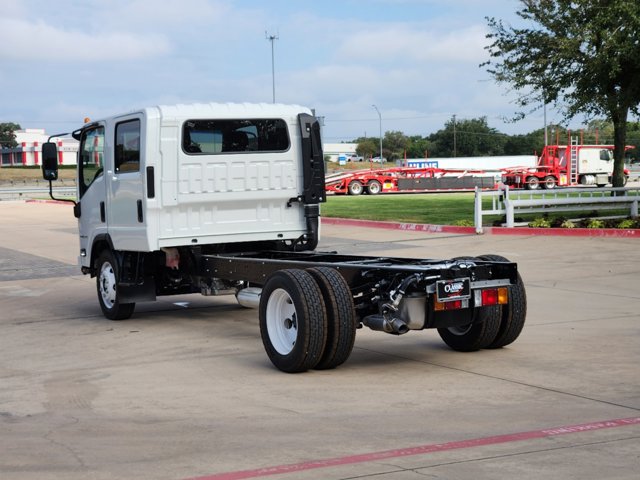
[(394, 145), (418, 147), (583, 54), (7, 135), (527, 144), (467, 138), (367, 147)]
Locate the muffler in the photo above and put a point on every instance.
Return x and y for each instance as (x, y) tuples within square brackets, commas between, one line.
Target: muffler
[(394, 326), (249, 297)]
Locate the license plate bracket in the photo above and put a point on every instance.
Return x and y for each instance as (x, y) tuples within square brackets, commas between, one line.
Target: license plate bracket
[(455, 289)]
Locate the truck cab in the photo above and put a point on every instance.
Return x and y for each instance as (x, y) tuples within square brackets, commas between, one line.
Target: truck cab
[(167, 177)]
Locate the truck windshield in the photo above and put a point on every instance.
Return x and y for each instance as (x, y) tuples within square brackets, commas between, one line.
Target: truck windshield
[(91, 157), (228, 136)]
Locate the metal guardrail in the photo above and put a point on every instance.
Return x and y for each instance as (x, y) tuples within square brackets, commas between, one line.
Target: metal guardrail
[(26, 193), (507, 202)]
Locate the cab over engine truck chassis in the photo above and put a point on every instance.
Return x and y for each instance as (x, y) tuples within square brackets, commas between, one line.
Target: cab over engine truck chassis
[(225, 199), (565, 166)]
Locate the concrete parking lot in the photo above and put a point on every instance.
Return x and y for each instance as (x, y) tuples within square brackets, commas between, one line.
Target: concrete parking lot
[(185, 390)]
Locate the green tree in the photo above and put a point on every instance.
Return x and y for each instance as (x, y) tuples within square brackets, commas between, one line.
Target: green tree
[(418, 147), (7, 135), (527, 144), (467, 138), (583, 54), (367, 147), (394, 145)]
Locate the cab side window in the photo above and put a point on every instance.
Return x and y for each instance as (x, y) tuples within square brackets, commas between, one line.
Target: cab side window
[(91, 156), (606, 155), (127, 147)]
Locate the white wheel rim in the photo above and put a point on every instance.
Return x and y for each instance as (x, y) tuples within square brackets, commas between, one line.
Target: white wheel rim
[(282, 321), (374, 187), (107, 282), (356, 188), (461, 329)]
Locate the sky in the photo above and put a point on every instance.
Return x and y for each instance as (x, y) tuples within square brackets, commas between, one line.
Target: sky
[(416, 60)]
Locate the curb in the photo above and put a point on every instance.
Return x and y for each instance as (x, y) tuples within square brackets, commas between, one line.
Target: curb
[(57, 202), (428, 228)]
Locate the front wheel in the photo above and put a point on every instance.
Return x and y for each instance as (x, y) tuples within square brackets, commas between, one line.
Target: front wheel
[(107, 286), (293, 320)]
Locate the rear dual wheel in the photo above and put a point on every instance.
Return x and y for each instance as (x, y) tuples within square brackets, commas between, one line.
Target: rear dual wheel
[(307, 319), (490, 327), (513, 314), (482, 329), (549, 182), (355, 188), (532, 183), (374, 187)]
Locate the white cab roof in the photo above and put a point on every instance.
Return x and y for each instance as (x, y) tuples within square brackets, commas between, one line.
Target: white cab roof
[(230, 110)]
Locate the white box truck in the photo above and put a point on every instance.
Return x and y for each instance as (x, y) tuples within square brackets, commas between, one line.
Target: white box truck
[(225, 199)]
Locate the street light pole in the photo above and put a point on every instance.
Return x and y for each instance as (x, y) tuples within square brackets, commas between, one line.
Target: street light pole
[(272, 39), (380, 117)]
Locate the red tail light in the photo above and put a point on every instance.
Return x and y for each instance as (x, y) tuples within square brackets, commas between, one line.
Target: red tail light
[(492, 296)]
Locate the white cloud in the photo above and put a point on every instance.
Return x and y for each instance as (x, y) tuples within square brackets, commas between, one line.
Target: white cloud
[(153, 15), (400, 43), (23, 40)]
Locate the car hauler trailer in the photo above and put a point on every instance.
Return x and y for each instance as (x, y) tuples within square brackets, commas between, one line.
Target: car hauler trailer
[(407, 179), (225, 199)]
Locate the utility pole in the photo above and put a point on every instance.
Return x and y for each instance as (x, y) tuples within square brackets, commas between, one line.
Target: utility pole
[(454, 135), (546, 134), (272, 39), (380, 117)]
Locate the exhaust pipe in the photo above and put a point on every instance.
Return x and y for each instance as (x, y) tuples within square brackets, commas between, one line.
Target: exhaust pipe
[(249, 297), (394, 326)]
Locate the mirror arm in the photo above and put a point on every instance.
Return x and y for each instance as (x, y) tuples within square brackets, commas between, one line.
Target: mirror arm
[(51, 185), (59, 199)]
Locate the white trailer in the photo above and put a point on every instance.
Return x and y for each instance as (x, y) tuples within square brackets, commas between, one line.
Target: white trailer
[(225, 199)]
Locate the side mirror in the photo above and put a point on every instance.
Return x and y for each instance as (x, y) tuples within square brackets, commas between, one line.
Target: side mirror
[(49, 161)]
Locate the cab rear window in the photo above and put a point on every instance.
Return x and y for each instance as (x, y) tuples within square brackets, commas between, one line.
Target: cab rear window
[(212, 137)]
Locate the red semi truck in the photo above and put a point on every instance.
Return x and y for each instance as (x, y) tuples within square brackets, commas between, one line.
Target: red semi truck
[(565, 165)]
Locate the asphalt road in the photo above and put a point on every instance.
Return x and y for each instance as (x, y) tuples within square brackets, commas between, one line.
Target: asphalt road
[(184, 388)]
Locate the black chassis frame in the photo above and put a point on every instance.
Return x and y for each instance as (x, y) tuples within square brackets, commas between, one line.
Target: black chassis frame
[(373, 281)]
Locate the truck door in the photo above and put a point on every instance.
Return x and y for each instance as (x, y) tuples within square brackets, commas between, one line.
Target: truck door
[(125, 212), (91, 189)]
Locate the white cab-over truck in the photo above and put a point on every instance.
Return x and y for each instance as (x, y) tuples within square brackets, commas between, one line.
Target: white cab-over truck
[(225, 199)]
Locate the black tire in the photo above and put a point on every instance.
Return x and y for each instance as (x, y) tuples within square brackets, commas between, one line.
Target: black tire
[(293, 320), (532, 183), (341, 322), (514, 313), (374, 187), (107, 275), (549, 182), (355, 188), (478, 334)]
